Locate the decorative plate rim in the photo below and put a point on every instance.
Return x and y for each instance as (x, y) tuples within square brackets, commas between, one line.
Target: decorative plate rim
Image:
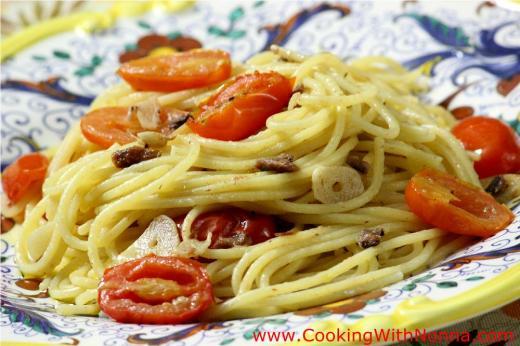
[(417, 312)]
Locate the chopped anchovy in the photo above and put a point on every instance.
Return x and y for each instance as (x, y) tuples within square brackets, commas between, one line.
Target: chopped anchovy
[(130, 156), (497, 186), (7, 224), (370, 237), (281, 164), (237, 239), (358, 164)]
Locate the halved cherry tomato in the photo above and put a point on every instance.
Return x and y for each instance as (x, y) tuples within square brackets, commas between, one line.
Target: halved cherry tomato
[(232, 227), (497, 142), (241, 108), (106, 126), (155, 290), (192, 69), (26, 172), (453, 205)]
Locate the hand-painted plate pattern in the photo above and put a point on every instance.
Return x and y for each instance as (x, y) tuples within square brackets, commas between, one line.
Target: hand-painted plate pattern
[(471, 49)]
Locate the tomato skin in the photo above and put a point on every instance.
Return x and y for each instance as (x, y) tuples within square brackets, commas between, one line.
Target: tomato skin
[(122, 302), (499, 143), (453, 205), (241, 107), (26, 172), (232, 225), (109, 125), (191, 69)]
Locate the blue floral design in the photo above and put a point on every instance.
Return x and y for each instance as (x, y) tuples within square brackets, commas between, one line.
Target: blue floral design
[(487, 54), (31, 319)]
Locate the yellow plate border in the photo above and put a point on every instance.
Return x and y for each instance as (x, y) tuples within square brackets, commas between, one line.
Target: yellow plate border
[(422, 312), (83, 20)]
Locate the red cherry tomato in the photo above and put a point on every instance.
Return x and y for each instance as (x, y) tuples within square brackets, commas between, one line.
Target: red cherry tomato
[(232, 227), (155, 290), (191, 69), (241, 108), (26, 172), (453, 205), (498, 143)]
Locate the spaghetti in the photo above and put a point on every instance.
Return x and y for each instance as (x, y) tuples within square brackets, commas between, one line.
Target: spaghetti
[(91, 211)]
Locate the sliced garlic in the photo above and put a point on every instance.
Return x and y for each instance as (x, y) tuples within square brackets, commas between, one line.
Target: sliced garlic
[(336, 184), (148, 113), (160, 237), (39, 241), (153, 139)]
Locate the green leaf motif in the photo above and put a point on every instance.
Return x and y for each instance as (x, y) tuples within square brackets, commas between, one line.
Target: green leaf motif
[(446, 284), (84, 71), (423, 279), (213, 30), (409, 287), (373, 301), (355, 317), (515, 124), (3, 259), (130, 47), (323, 314), (258, 3), (236, 14), (276, 321), (449, 35), (33, 320), (174, 34), (236, 34), (61, 54), (144, 24), (254, 321), (249, 334), (39, 58), (96, 60), (474, 278), (226, 341)]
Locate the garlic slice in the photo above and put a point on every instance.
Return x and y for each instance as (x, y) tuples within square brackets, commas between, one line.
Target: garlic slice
[(336, 184), (160, 238), (39, 241), (148, 113), (153, 139)]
